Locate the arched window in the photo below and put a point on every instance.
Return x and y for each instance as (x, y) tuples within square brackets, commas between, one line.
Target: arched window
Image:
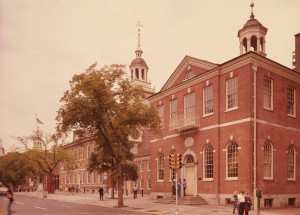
[(143, 74), (208, 162), (253, 43), (232, 160), (291, 163), (137, 75), (190, 159), (268, 160), (160, 167), (189, 75), (245, 45)]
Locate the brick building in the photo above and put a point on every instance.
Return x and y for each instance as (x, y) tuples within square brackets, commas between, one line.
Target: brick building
[(236, 124)]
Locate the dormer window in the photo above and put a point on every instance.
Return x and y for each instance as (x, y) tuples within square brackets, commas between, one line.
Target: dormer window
[(189, 75)]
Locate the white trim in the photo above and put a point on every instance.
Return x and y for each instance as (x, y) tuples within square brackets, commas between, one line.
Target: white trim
[(230, 124)]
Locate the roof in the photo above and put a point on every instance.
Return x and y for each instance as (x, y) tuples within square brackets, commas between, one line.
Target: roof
[(138, 62)]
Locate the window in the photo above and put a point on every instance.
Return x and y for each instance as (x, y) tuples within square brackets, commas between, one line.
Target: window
[(268, 93), (268, 160), (149, 182), (88, 175), (207, 100), (142, 183), (291, 106), (291, 163), (232, 93), (83, 178), (173, 112), (189, 106), (208, 162), (142, 165), (232, 160), (160, 167), (149, 165), (100, 178), (161, 115), (189, 75)]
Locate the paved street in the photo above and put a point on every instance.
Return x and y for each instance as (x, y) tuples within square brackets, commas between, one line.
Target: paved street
[(138, 206)]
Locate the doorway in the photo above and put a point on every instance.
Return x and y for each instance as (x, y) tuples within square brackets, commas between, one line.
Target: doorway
[(189, 174)]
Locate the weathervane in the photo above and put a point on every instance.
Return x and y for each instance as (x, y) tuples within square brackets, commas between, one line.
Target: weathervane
[(252, 5), (139, 25)]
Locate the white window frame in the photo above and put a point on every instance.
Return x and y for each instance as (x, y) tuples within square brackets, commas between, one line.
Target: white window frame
[(149, 182), (233, 162), (291, 154), (232, 94), (173, 111), (160, 167), (142, 166), (207, 165), (161, 115), (189, 106), (291, 101), (141, 183), (268, 162), (208, 104), (268, 93)]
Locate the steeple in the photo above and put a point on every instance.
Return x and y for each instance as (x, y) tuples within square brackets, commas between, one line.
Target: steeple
[(252, 35), (138, 50), (139, 68)]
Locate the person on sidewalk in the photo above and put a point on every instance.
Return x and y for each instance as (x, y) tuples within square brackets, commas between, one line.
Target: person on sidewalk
[(241, 203), (234, 200), (10, 196), (179, 188), (184, 186), (248, 204), (135, 190), (101, 192)]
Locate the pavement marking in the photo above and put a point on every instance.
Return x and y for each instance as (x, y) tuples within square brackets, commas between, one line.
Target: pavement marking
[(67, 206), (40, 208), (21, 203)]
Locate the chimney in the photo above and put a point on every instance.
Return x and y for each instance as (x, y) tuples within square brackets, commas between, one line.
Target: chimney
[(296, 53)]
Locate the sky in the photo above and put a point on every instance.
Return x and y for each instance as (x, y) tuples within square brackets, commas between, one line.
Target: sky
[(43, 43)]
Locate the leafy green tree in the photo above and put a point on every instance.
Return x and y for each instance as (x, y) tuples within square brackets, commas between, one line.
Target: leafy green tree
[(49, 156), (103, 104), (14, 168)]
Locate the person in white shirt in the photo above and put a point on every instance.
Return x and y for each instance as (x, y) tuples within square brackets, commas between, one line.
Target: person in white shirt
[(241, 203)]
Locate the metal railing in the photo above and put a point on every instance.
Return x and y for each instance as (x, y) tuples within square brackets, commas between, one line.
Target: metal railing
[(181, 123)]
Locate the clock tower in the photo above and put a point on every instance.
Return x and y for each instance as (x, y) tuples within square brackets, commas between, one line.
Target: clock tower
[(139, 69)]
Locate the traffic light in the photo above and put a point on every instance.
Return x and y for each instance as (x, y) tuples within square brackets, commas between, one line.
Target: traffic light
[(172, 161), (179, 161)]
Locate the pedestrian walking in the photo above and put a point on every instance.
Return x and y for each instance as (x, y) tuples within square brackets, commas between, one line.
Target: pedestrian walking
[(10, 196), (173, 187), (135, 190), (234, 200), (179, 188), (184, 186), (101, 192), (248, 204), (241, 203)]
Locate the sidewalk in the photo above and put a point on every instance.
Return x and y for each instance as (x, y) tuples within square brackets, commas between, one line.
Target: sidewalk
[(145, 205)]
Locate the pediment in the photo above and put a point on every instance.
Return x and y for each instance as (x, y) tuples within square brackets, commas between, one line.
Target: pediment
[(189, 67)]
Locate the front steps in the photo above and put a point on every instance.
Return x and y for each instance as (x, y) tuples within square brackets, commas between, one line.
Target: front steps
[(184, 200)]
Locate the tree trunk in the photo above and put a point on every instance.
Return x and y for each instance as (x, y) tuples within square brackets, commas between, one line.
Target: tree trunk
[(120, 187), (120, 179), (50, 184)]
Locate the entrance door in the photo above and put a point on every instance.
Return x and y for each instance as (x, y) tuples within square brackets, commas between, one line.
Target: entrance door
[(189, 175)]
